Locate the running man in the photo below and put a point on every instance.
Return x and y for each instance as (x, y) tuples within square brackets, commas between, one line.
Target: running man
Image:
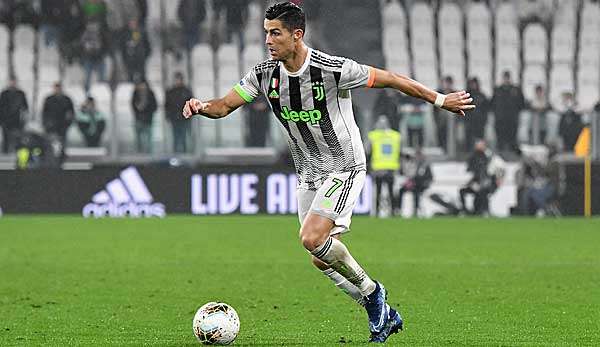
[(309, 93)]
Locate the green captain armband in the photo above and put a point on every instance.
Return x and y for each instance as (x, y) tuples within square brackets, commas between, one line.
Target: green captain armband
[(247, 97)]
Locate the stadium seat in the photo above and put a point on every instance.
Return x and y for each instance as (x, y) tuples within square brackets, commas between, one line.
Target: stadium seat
[(507, 42), (203, 69), (229, 74), (451, 43), (479, 45), (228, 67), (563, 44), (423, 44), (48, 63), (23, 54), (587, 86), (561, 80), (176, 65), (124, 117), (153, 65), (74, 75), (535, 44), (77, 95), (253, 33), (252, 55), (482, 69), (395, 42), (589, 15), (533, 75), (3, 55), (568, 14), (154, 13), (421, 16)]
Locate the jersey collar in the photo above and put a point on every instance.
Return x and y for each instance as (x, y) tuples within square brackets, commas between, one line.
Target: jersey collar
[(304, 65)]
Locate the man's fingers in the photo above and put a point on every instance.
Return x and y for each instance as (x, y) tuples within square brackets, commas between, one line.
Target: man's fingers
[(194, 105), (467, 101), (467, 107)]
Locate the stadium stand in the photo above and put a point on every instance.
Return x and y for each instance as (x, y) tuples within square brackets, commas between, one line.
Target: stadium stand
[(589, 56), (4, 66), (423, 39), (423, 44), (229, 72), (479, 45), (451, 42), (507, 42), (395, 41)]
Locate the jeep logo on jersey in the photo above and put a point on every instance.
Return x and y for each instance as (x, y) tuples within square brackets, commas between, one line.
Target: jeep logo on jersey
[(311, 116), (124, 196)]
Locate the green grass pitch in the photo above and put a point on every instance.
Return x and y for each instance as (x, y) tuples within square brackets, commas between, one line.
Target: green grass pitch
[(499, 282)]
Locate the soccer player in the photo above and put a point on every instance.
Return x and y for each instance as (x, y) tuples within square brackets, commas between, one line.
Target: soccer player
[(309, 93)]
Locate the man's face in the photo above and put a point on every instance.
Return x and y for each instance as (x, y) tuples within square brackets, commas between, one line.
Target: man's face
[(480, 146), (280, 41)]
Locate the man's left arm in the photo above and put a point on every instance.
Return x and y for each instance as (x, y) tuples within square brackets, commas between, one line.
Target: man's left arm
[(457, 102)]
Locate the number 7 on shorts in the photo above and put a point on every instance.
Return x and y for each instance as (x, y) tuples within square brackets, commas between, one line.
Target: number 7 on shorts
[(336, 184)]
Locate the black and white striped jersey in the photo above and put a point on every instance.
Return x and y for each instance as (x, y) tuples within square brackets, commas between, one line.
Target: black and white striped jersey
[(314, 108)]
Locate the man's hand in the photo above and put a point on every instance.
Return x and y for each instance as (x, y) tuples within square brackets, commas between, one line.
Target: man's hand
[(458, 102), (194, 106)]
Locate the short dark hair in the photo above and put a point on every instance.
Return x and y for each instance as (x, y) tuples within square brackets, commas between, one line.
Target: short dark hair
[(291, 15)]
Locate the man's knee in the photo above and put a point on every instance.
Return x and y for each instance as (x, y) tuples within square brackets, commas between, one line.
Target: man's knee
[(315, 230), (312, 237)]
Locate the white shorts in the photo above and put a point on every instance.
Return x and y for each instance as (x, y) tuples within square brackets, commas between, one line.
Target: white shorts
[(335, 199)]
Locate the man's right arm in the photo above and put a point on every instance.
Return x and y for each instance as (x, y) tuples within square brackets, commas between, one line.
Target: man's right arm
[(214, 109)]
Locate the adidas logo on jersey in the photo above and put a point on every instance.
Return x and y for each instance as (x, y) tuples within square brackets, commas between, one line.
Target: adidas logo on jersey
[(125, 196), (311, 116)]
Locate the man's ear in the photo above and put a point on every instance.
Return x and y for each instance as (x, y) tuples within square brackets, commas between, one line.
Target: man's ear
[(298, 34)]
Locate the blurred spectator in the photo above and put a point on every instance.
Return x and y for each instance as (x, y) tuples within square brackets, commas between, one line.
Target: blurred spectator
[(70, 22), (414, 110), (384, 149), (487, 170), (13, 105), (91, 122), (387, 104), (538, 184), (94, 48), (135, 49), (257, 123), (476, 119), (507, 104), (120, 13), (236, 13), (53, 13), (441, 116), (191, 13), (570, 123), (142, 6), (94, 11), (37, 150), (175, 98), (144, 105), (419, 179), (14, 12), (57, 114), (539, 107)]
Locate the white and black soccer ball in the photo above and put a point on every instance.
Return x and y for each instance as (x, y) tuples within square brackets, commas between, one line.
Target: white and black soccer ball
[(216, 323)]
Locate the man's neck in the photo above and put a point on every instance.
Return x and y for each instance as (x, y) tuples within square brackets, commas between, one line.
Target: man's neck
[(295, 62)]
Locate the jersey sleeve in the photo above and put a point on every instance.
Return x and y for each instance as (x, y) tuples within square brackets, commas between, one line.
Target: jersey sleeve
[(248, 87), (355, 75)]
